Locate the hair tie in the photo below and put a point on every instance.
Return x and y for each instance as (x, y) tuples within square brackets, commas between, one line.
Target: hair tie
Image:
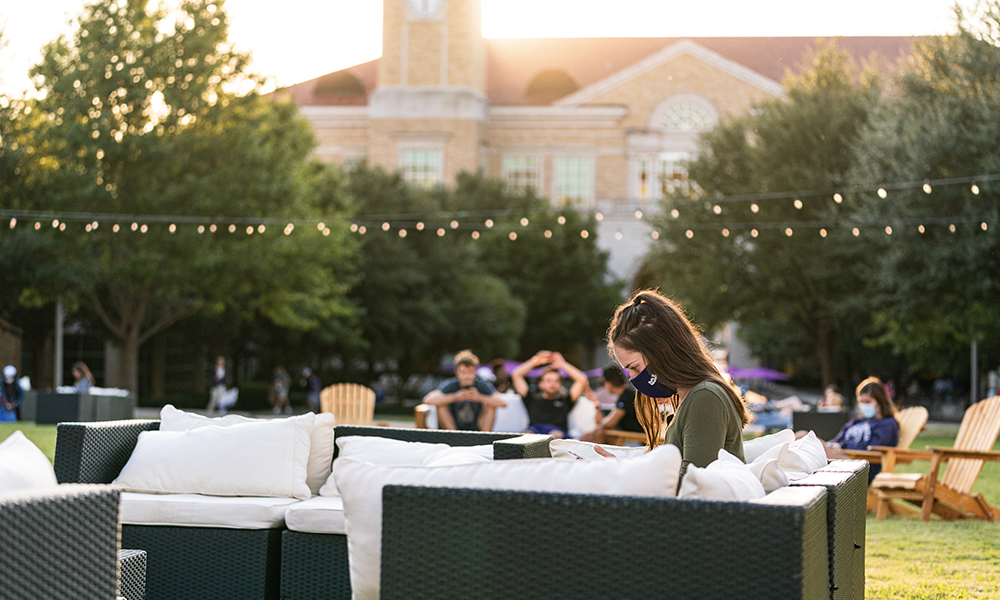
[(637, 301)]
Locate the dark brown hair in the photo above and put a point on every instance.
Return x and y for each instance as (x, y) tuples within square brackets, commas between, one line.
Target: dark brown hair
[(874, 387), (656, 327)]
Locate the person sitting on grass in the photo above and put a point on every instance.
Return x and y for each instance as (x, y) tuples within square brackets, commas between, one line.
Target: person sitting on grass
[(465, 402), (549, 406)]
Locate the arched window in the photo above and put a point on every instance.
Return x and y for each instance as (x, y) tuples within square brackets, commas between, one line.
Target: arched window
[(684, 112)]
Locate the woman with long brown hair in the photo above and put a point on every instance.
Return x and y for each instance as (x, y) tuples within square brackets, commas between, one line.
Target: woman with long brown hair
[(652, 339)]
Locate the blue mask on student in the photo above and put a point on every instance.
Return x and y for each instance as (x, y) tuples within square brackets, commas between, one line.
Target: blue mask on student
[(646, 383), (868, 410)]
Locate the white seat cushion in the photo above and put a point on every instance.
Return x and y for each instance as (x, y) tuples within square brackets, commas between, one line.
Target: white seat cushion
[(195, 510), (23, 466), (317, 515)]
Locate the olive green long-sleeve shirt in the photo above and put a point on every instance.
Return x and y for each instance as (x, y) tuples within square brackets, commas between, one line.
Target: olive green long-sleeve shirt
[(706, 421)]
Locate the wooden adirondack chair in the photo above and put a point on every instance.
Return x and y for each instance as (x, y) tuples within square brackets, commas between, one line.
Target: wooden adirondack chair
[(950, 496), (350, 403)]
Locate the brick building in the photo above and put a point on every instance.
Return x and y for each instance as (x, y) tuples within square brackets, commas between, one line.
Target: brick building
[(600, 124)]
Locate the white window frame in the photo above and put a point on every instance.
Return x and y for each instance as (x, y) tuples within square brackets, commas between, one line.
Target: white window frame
[(661, 170), (665, 108), (409, 174), (521, 187), (559, 171)]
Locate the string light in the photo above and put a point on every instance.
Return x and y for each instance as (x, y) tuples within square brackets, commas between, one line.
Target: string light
[(638, 214), (55, 223), (822, 233), (788, 231), (385, 226), (717, 209), (512, 235), (655, 235), (921, 229), (135, 226), (489, 222), (172, 228), (888, 230), (675, 213), (115, 228), (754, 208), (289, 227), (475, 235), (927, 188), (201, 229), (725, 233), (618, 235), (402, 233), (143, 229), (838, 198), (524, 221), (585, 234), (856, 232), (326, 231), (261, 229), (882, 193), (362, 230), (232, 229), (599, 216), (62, 227), (37, 225), (94, 225), (250, 230), (420, 226), (88, 228), (454, 224), (689, 234), (211, 227), (441, 232), (975, 189), (562, 220), (754, 233), (354, 227), (548, 232), (13, 223), (798, 204), (951, 228), (983, 225), (320, 226)]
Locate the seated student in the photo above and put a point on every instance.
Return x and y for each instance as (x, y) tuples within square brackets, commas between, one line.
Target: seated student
[(549, 407), (877, 425), (623, 416), (470, 400)]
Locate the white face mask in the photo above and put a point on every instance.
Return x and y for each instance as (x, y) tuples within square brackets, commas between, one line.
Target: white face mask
[(868, 410)]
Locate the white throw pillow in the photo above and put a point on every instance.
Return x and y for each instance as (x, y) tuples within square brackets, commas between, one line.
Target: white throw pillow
[(460, 455), (582, 419), (799, 458), (812, 450), (23, 466), (512, 418), (757, 446), (361, 483), (320, 445), (769, 473), (263, 458), (381, 451), (576, 450), (727, 478)]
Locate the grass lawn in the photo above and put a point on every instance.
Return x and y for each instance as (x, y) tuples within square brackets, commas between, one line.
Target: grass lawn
[(906, 559)]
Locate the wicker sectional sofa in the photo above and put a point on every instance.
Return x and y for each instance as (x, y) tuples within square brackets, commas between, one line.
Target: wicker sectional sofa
[(803, 541)]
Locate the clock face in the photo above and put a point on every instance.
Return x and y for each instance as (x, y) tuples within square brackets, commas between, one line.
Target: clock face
[(425, 9)]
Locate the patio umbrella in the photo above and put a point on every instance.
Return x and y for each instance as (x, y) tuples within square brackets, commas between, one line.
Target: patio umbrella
[(757, 373)]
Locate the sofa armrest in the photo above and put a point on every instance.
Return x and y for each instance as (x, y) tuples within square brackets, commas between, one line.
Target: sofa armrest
[(431, 436), (523, 446), (540, 544), (96, 452), (60, 543)]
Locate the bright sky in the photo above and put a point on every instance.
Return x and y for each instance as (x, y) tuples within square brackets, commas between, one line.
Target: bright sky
[(309, 38)]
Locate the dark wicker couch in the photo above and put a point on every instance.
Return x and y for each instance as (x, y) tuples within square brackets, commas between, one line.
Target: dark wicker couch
[(239, 564), (803, 541), (59, 544)]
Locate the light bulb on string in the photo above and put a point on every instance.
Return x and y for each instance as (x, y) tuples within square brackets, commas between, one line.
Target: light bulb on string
[(354, 227), (211, 227), (822, 233), (548, 233), (562, 220), (689, 234), (88, 227), (921, 229), (385, 226), (232, 228), (489, 222), (144, 229), (888, 230), (172, 228), (94, 225), (454, 224), (983, 225), (599, 216), (798, 204), (261, 229), (402, 233), (717, 209), (754, 208), (975, 189), (638, 214), (13, 222), (618, 235), (584, 234), (135, 226), (788, 231), (250, 230), (655, 235), (927, 187), (326, 231), (420, 226), (115, 228), (362, 229), (838, 198), (37, 225), (55, 223), (62, 227), (512, 235), (440, 232), (856, 232), (320, 226), (475, 235), (291, 227), (524, 221), (725, 233), (675, 213), (882, 193), (951, 228), (754, 233)]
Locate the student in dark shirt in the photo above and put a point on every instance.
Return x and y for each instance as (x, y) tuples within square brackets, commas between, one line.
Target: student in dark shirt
[(623, 417), (465, 402), (876, 425), (549, 407)]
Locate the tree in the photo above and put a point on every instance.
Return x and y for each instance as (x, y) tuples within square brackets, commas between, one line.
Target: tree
[(940, 274), (764, 261), (138, 114)]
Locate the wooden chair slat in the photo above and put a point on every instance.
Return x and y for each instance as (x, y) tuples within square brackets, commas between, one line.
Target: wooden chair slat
[(911, 422), (350, 403)]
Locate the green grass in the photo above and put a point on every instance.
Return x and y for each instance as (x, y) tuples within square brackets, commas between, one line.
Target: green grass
[(907, 559)]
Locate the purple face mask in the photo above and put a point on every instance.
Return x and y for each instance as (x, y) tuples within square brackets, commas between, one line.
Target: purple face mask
[(647, 384)]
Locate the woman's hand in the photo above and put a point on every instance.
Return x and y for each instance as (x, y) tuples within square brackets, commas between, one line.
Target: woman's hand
[(603, 452)]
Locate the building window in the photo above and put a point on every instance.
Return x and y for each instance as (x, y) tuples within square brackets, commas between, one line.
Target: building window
[(522, 172), (672, 173), (422, 167), (657, 175), (684, 113), (573, 180), (645, 179)]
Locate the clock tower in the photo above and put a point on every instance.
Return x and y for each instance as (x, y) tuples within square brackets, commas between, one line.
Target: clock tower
[(430, 103)]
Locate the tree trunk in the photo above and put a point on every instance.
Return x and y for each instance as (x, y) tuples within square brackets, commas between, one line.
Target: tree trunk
[(130, 361), (824, 351)]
